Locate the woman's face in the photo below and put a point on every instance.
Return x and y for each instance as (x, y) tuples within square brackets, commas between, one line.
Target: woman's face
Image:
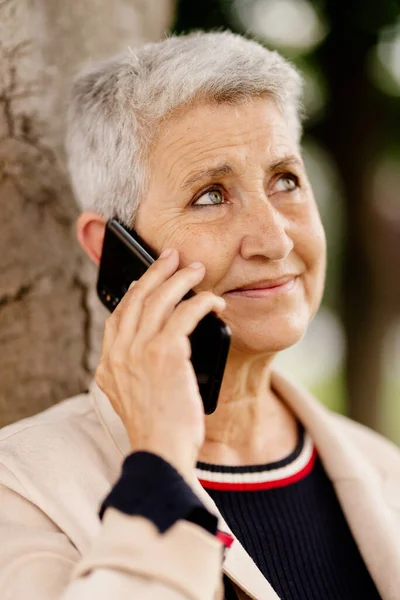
[(229, 189)]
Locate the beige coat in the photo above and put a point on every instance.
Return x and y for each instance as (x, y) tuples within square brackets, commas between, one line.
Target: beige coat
[(56, 467)]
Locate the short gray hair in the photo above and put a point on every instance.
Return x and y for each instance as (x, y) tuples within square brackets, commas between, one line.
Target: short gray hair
[(117, 106)]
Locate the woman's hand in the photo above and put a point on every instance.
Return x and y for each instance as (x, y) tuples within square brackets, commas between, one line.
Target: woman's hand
[(145, 367)]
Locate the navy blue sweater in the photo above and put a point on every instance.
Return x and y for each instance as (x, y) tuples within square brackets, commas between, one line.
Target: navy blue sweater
[(290, 522)]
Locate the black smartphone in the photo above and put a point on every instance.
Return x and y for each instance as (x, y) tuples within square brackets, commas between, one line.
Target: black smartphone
[(125, 258)]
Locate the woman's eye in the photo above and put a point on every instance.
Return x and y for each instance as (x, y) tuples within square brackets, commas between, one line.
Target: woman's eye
[(287, 183), (209, 198)]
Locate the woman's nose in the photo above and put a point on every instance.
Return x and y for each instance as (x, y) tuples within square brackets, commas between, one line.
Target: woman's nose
[(265, 234)]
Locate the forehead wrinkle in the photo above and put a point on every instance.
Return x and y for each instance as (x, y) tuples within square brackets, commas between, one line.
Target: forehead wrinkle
[(185, 144), (231, 114), (199, 147), (184, 141), (200, 155)]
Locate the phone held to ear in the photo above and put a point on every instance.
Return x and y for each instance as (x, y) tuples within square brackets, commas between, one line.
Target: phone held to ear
[(125, 258)]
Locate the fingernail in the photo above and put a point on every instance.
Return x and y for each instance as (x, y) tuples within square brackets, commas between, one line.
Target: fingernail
[(165, 253), (196, 265), (132, 284)]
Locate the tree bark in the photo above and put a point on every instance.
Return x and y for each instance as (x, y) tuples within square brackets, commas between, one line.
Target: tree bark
[(50, 320)]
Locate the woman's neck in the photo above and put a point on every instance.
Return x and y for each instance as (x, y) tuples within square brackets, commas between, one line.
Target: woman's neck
[(251, 425)]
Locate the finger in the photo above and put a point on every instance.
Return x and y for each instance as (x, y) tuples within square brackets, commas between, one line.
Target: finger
[(109, 335), (127, 314), (161, 269), (116, 315), (187, 315), (160, 305)]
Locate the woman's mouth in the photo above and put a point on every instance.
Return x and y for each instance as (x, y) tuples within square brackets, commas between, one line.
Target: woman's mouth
[(266, 289)]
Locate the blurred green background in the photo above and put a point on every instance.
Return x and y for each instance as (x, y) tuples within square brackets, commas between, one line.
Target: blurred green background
[(349, 54)]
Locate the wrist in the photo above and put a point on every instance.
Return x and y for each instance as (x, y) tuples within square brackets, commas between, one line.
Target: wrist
[(152, 488), (182, 459)]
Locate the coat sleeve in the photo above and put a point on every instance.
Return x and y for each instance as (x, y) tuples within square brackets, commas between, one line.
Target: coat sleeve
[(128, 559)]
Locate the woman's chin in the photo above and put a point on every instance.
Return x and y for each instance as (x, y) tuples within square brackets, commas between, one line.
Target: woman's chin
[(268, 340)]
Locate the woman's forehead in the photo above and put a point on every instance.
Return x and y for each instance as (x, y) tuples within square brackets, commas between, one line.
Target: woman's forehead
[(206, 122), (216, 138)]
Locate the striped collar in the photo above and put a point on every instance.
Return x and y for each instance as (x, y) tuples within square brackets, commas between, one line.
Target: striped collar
[(261, 477)]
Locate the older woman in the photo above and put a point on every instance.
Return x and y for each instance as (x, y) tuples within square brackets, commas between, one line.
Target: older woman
[(194, 142)]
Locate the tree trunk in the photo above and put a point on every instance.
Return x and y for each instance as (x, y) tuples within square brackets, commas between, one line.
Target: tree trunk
[(50, 321)]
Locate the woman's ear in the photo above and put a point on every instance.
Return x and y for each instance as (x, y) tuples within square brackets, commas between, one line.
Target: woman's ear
[(90, 228)]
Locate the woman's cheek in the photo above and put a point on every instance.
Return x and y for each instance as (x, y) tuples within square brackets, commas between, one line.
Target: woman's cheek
[(310, 246), (313, 235), (318, 273), (206, 243)]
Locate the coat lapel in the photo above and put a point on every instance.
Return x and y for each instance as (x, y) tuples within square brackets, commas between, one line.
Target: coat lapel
[(358, 485), (238, 565)]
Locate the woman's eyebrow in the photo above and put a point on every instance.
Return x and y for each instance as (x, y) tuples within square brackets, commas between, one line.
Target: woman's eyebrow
[(285, 161), (226, 169), (208, 173)]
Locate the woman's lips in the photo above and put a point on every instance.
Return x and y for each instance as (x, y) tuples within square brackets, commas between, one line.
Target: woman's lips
[(276, 290)]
